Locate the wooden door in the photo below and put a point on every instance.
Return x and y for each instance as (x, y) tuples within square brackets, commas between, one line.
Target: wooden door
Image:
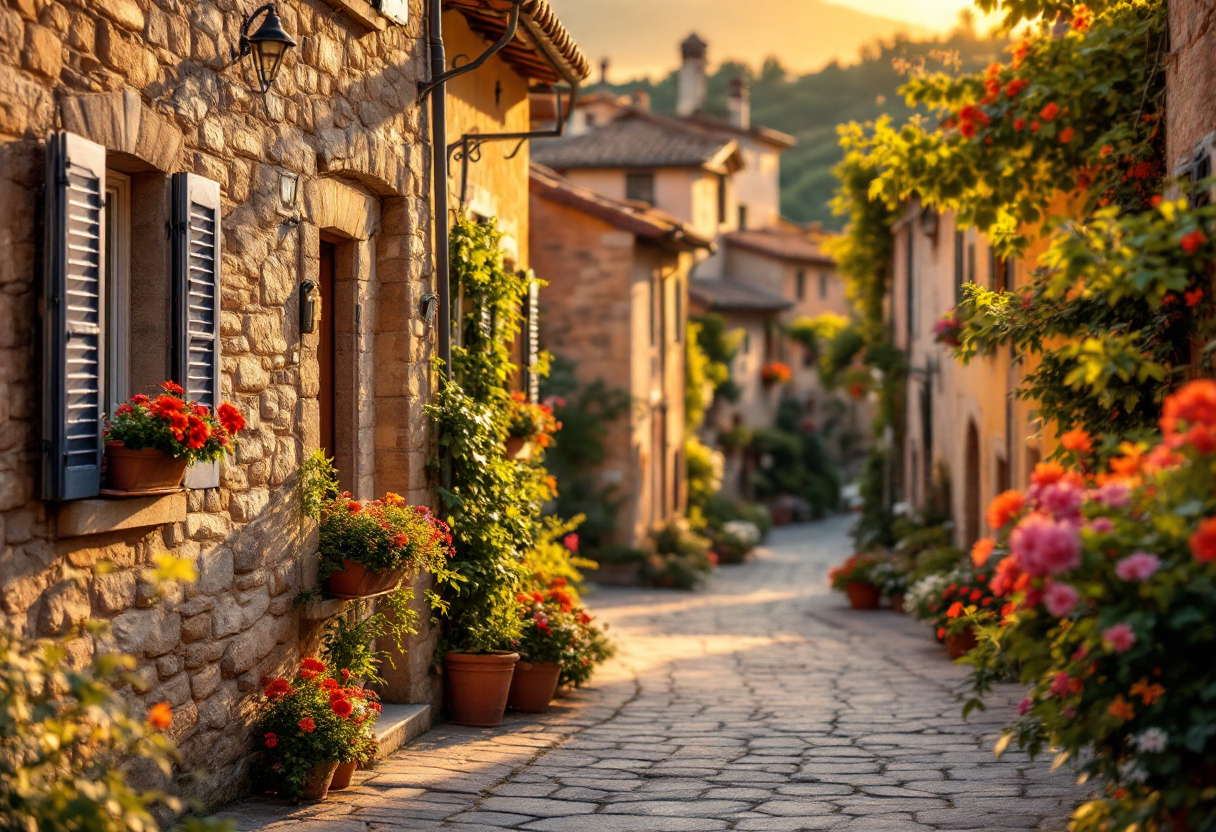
[(325, 349)]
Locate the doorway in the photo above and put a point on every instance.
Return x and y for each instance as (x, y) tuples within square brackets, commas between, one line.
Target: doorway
[(326, 347), (971, 498)]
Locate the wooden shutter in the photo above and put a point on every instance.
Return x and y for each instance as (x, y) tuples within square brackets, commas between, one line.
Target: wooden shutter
[(530, 339), (74, 317), (196, 299)]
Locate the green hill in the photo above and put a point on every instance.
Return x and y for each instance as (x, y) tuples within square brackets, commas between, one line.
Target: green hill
[(811, 106)]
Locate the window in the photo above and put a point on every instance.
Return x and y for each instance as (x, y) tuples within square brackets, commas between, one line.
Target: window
[(823, 285), (742, 217), (800, 285), (960, 248), (679, 311), (721, 198), (118, 289), (746, 347), (639, 187), (910, 277)]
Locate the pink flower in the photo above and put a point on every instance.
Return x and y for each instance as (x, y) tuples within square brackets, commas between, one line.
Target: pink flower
[(1119, 638), (1046, 547), (1061, 684), (1138, 566), (1112, 495), (1060, 599), (1024, 707), (1101, 525), (1063, 499), (570, 541)]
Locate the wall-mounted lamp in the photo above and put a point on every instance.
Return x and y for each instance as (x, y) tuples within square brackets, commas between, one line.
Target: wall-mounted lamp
[(267, 45), (309, 297), (430, 305), (289, 190)]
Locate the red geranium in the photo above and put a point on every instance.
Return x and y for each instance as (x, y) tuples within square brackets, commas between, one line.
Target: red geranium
[(307, 725)]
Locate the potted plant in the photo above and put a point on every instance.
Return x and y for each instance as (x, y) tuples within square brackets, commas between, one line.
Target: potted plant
[(590, 647), (307, 727), (735, 540), (893, 576), (530, 426), (548, 632), (149, 442), (775, 372), (858, 577), (478, 674), (942, 600)]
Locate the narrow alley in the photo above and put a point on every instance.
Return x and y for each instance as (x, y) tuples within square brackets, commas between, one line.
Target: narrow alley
[(760, 703)]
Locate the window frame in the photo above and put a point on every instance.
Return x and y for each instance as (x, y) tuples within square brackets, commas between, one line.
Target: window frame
[(800, 284), (634, 177), (118, 289)]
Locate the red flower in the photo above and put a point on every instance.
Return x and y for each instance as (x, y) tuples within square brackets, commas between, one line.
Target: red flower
[(354, 506), (160, 715), (1020, 53), (345, 675), (1005, 507), (1077, 440), (1203, 541), (277, 688), (1015, 87), (311, 668), (401, 539), (1082, 17), (341, 707), (329, 684), (1194, 241), (199, 433), (172, 387), (584, 618), (570, 541), (1050, 112), (307, 725), (230, 417), (956, 609), (1193, 297), (1194, 404), (272, 739), (1019, 123), (1034, 127), (1066, 135), (139, 398)]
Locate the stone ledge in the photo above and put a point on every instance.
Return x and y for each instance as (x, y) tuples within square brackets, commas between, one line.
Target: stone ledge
[(361, 12), (84, 517), (401, 724), (324, 609)]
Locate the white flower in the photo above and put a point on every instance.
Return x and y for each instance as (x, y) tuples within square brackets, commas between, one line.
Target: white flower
[(741, 532), (1131, 772), (1152, 741)]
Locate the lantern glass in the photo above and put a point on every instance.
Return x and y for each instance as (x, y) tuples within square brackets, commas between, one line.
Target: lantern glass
[(267, 57), (267, 45)]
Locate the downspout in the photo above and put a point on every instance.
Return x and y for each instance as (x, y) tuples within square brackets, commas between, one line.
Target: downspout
[(439, 173)]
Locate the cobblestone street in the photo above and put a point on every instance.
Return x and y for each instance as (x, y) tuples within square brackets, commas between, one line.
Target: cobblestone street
[(758, 703)]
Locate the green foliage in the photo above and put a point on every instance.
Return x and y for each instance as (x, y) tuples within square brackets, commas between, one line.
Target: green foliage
[(555, 558), (494, 504), (349, 644), (719, 346), (704, 471), (681, 557), (383, 536), (70, 743), (718, 511), (795, 462), (815, 333), (586, 411)]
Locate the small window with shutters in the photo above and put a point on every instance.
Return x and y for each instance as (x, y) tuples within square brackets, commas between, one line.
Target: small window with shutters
[(196, 300)]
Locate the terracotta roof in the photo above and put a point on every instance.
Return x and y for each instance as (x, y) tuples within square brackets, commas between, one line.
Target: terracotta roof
[(762, 134), (732, 296), (641, 140), (540, 41), (782, 245), (637, 218)]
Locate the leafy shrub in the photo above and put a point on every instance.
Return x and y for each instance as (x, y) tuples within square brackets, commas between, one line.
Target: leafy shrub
[(860, 568)]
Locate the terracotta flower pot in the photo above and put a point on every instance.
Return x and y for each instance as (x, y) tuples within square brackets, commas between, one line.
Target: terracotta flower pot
[(316, 781), (961, 644), (897, 602), (342, 775), (144, 470), (863, 596), (533, 686), (354, 580), (519, 448), (478, 685)]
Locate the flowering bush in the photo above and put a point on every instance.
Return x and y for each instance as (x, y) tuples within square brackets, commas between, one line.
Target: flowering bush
[(951, 601), (589, 648), (1110, 590), (382, 535), (947, 329), (169, 423), (313, 719), (532, 422), (775, 372), (556, 629), (862, 568)]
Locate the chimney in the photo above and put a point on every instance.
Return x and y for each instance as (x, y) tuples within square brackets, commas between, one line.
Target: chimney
[(604, 72), (691, 97), (739, 103), (641, 100)]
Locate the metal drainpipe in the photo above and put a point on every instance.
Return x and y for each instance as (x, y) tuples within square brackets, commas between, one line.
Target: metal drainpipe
[(439, 172)]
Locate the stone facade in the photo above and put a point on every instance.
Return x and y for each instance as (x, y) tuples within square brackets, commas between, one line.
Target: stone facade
[(1190, 79), (144, 79)]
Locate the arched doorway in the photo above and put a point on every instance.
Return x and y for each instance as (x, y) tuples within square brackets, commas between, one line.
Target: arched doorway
[(971, 493)]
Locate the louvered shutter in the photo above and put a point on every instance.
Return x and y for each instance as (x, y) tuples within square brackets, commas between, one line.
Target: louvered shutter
[(531, 339), (74, 317), (196, 300)]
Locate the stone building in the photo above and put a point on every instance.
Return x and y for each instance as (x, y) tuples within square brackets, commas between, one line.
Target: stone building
[(616, 305), (181, 213)]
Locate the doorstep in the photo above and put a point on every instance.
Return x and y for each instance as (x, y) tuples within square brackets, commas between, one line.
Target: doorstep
[(400, 724)]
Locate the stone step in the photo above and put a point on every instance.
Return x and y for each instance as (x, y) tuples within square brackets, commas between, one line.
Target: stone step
[(399, 724)]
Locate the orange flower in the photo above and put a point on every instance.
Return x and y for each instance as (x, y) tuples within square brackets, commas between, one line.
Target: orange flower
[(1194, 404), (982, 550), (311, 668), (1082, 17), (160, 716), (1203, 541), (1194, 241), (1005, 507), (1049, 112), (956, 609), (1121, 709), (1047, 473), (307, 725), (1020, 52), (1148, 692), (1077, 440)]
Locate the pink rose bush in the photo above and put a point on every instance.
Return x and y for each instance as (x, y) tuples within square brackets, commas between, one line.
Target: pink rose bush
[(1107, 587)]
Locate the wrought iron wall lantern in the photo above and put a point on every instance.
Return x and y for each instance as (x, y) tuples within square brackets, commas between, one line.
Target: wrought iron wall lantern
[(267, 45)]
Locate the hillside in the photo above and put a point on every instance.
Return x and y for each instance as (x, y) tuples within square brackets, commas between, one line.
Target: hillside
[(641, 37), (811, 106)]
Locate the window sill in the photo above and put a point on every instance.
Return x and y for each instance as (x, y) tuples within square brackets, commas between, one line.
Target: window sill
[(84, 517), (361, 12)]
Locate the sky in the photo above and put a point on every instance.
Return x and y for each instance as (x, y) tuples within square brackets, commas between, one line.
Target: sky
[(641, 37)]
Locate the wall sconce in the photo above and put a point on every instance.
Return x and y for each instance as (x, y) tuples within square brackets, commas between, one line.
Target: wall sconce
[(309, 295), (289, 183), (430, 305), (267, 45)]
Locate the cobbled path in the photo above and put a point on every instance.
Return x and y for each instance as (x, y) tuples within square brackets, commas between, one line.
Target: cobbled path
[(758, 703)]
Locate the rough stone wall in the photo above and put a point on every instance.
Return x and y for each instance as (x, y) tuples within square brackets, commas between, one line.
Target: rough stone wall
[(1190, 78), (135, 76)]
